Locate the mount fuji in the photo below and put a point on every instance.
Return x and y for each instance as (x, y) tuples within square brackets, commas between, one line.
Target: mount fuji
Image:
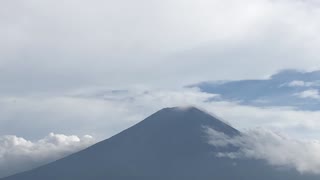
[(171, 144)]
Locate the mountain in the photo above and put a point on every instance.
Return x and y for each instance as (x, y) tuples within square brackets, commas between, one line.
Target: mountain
[(169, 145)]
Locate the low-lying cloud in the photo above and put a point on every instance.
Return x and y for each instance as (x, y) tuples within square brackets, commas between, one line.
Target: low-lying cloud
[(18, 154), (275, 148), (103, 113)]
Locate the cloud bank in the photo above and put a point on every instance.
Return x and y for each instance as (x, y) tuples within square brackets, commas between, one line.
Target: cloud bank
[(18, 154), (103, 113), (125, 43), (277, 149), (285, 88)]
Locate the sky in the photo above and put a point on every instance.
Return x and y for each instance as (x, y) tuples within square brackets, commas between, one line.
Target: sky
[(87, 70)]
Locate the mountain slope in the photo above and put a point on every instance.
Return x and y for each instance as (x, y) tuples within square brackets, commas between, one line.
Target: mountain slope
[(170, 144)]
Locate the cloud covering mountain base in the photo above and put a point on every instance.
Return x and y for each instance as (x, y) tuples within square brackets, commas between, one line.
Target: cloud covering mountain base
[(18, 154), (277, 149)]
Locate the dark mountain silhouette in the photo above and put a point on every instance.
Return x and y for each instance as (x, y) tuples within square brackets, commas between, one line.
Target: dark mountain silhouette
[(169, 145)]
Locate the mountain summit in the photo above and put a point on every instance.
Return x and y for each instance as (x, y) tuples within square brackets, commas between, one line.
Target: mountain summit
[(171, 144)]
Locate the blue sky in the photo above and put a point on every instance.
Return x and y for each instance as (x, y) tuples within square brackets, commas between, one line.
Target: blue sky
[(291, 88)]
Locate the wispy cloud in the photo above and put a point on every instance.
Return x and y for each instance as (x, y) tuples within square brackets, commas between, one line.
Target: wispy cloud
[(285, 88), (275, 148), (103, 113), (311, 93), (298, 83)]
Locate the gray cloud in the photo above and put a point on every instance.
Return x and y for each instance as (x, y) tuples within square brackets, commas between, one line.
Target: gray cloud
[(18, 154), (57, 58), (275, 148), (58, 45), (102, 113)]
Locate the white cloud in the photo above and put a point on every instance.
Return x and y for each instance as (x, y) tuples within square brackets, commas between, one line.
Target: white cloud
[(18, 154), (49, 48), (311, 93), (277, 149), (303, 83), (100, 113), (116, 44), (296, 83), (103, 113)]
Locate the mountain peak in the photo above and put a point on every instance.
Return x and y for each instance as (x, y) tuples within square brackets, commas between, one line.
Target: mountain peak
[(188, 118), (181, 110), (169, 144)]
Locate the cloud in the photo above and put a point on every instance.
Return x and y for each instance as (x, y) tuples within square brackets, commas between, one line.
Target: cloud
[(299, 83), (312, 93), (18, 154), (58, 63), (102, 113), (275, 148), (281, 89), (51, 46)]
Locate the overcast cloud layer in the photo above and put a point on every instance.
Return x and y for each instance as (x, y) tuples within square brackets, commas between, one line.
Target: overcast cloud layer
[(58, 45), (102, 113)]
